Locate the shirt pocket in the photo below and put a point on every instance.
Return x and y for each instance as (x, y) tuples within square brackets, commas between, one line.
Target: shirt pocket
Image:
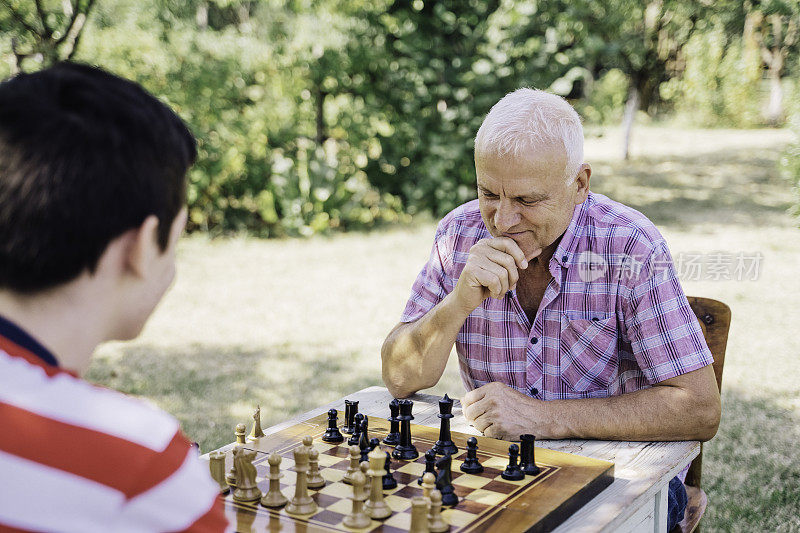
[(588, 358)]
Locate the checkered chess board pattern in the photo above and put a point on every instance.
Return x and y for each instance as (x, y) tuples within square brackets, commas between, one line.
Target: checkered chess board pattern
[(480, 495)]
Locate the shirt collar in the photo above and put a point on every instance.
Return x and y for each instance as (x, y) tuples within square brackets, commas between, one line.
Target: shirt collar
[(16, 342), (569, 241)]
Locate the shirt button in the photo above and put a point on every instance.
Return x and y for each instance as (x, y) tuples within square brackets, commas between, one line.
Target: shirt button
[(534, 340), (564, 259), (595, 319), (534, 391)]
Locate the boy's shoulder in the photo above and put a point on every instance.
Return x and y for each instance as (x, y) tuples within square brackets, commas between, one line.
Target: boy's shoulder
[(114, 460), (72, 404)]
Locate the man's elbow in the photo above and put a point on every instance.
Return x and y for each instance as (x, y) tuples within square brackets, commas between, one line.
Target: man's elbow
[(708, 419), (394, 376)]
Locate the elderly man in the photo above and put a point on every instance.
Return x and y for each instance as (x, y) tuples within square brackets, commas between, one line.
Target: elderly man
[(564, 306)]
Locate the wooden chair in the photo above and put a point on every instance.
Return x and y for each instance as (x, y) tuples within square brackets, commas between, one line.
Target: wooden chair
[(715, 321)]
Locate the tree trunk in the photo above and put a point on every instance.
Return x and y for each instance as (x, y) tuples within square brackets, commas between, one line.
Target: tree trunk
[(321, 136), (775, 107), (631, 107)]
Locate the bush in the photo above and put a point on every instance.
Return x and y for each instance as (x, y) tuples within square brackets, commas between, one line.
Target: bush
[(248, 100)]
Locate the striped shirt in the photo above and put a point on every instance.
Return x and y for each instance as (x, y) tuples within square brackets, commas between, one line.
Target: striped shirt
[(613, 319), (77, 457)]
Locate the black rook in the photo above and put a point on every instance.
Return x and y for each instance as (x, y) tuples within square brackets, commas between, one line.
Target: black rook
[(526, 460), (350, 410)]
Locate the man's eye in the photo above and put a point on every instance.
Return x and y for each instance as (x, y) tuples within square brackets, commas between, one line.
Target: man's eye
[(489, 195), (528, 202)]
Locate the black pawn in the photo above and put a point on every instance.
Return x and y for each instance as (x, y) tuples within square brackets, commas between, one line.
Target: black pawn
[(471, 464), (513, 472), (350, 410), (430, 465), (445, 443), (444, 481), (356, 433), (405, 449), (393, 438), (332, 434), (526, 461), (389, 482)]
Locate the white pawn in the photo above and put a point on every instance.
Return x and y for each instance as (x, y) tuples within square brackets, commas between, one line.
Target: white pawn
[(315, 480), (355, 455), (274, 497), (436, 523), (428, 484), (358, 519), (419, 515)]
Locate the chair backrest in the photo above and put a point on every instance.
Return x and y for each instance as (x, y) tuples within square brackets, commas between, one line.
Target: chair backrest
[(715, 321)]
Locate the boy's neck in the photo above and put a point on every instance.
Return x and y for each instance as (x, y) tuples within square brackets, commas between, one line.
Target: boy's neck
[(61, 321)]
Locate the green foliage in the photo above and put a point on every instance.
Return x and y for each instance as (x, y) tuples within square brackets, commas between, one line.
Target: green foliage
[(606, 99), (318, 115), (720, 85), (248, 99)]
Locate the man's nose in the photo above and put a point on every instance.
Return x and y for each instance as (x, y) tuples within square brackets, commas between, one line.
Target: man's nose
[(506, 216)]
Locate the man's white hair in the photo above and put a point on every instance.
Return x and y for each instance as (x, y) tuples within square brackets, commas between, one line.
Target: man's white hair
[(527, 118)]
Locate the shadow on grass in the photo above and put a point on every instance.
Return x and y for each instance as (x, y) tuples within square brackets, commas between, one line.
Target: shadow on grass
[(751, 469), (731, 186), (210, 389)]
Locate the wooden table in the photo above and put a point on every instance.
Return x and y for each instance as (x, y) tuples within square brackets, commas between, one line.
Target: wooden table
[(636, 501)]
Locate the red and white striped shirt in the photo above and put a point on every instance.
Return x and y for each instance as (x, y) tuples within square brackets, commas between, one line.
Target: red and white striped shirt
[(77, 457)]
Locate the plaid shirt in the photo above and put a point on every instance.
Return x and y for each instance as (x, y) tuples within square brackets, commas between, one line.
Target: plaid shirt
[(613, 319)]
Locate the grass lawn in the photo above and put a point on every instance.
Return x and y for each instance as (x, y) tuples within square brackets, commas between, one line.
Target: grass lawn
[(293, 324)]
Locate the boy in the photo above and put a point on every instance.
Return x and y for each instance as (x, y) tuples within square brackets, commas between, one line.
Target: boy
[(92, 193)]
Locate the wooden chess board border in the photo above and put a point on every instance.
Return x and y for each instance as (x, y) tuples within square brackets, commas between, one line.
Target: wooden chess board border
[(510, 513)]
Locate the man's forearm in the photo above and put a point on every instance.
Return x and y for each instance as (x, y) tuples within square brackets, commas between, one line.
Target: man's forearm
[(415, 354), (686, 407), (660, 413)]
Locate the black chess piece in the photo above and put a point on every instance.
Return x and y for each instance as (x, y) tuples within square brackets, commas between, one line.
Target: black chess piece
[(363, 436), (393, 438), (350, 410), (526, 461), (356, 433), (430, 465), (445, 443), (332, 434), (513, 472), (444, 481), (405, 449), (471, 464), (373, 443), (389, 482)]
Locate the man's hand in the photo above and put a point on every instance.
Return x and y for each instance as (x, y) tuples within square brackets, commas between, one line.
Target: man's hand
[(492, 269), (500, 412)]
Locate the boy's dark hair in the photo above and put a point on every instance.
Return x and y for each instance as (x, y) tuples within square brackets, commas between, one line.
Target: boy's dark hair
[(84, 157)]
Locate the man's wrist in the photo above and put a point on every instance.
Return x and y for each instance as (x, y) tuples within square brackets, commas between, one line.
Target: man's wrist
[(454, 310)]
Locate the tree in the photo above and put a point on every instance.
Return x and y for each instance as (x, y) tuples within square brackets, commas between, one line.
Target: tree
[(47, 32), (423, 73), (773, 24)]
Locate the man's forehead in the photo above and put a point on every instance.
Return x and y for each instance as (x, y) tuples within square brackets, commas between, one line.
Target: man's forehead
[(520, 174)]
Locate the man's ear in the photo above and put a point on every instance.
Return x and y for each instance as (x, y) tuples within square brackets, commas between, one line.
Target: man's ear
[(143, 247), (582, 183)]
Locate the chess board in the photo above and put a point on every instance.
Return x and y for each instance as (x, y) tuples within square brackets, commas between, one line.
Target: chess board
[(487, 502)]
